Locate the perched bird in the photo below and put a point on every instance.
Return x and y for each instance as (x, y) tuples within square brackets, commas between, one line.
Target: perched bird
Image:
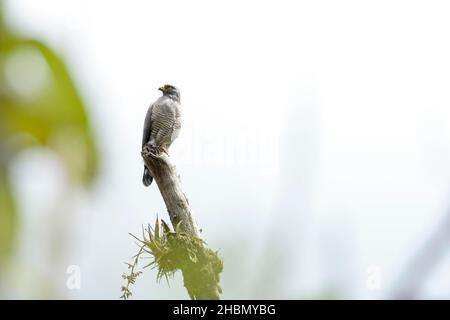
[(162, 124)]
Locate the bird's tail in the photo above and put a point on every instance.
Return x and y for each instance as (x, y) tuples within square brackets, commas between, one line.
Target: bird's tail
[(147, 179)]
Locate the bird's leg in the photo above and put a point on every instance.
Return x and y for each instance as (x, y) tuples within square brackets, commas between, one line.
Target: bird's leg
[(154, 149), (158, 149), (165, 149), (150, 148)]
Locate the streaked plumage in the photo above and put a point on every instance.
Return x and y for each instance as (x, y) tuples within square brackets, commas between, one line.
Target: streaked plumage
[(162, 124)]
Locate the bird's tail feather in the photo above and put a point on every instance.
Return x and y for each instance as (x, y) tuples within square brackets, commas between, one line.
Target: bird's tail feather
[(147, 179)]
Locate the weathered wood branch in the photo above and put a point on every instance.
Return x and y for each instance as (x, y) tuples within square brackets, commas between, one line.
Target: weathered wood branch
[(164, 173), (201, 273)]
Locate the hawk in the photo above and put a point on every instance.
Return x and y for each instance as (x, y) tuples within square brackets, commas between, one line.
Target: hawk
[(162, 124)]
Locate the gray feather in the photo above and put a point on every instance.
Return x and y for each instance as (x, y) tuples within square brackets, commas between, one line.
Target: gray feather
[(162, 125), (147, 126)]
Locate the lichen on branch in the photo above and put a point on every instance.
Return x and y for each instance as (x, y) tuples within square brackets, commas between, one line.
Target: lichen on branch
[(175, 250)]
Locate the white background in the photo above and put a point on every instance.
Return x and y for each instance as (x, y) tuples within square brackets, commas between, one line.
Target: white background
[(315, 141)]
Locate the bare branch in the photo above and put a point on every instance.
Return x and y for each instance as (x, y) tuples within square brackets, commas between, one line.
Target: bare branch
[(183, 249)]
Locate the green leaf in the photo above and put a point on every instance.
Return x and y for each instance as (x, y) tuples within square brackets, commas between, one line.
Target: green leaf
[(8, 216), (157, 229), (39, 107)]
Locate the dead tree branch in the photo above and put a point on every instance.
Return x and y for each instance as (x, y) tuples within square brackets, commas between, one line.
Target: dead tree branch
[(199, 265)]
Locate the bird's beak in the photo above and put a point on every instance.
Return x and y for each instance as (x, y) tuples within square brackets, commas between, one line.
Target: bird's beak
[(161, 89)]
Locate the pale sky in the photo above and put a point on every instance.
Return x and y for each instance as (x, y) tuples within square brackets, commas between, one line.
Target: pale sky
[(351, 96)]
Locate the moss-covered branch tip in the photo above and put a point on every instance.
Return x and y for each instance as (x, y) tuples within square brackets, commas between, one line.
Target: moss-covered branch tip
[(173, 250)]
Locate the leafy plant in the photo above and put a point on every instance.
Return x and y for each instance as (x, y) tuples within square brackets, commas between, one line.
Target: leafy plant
[(172, 251), (39, 108)]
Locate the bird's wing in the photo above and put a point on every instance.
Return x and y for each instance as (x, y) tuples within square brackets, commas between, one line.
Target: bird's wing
[(147, 126)]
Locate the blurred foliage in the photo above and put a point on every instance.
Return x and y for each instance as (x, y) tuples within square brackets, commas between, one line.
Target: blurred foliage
[(39, 107)]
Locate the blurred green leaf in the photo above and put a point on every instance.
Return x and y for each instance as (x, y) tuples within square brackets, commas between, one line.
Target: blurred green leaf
[(8, 219), (39, 107)]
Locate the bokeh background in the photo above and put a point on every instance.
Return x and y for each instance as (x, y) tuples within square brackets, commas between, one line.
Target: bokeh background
[(315, 148)]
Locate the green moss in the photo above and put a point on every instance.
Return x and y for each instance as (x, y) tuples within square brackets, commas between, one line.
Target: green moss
[(175, 250)]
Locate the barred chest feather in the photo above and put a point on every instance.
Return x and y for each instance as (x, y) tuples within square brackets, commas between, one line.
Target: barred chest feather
[(166, 122)]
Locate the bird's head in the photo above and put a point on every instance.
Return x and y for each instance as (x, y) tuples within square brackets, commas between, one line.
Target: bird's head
[(171, 91)]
